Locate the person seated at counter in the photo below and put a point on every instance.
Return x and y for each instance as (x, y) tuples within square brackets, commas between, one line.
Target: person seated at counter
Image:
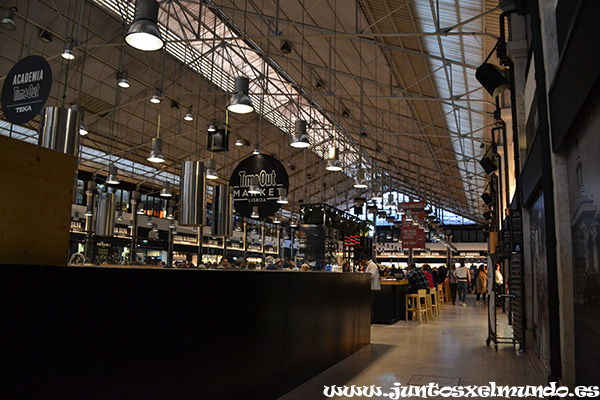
[(346, 267), (305, 267), (417, 279), (431, 275), (270, 261)]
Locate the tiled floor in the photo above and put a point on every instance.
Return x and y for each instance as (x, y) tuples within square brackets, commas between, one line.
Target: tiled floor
[(451, 350)]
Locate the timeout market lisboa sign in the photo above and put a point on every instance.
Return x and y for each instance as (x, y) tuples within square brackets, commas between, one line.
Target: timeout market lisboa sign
[(270, 176), (26, 89)]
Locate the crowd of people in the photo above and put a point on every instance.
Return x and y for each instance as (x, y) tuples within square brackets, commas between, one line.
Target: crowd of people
[(460, 279), (269, 264)]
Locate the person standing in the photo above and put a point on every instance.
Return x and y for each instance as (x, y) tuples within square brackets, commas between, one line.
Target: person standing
[(463, 277), (482, 282), (452, 282), (499, 281), (371, 268)]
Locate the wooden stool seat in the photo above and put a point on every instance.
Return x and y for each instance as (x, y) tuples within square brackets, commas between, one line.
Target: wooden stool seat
[(416, 305)]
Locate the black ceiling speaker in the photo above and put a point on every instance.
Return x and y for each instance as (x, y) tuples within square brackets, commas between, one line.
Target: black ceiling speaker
[(218, 140), (488, 165), (487, 199), (492, 79)]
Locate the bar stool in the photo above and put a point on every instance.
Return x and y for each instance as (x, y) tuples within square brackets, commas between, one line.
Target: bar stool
[(441, 297), (416, 304), (434, 308), (429, 304)]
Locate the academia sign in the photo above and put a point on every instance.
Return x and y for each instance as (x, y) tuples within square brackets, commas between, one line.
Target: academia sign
[(269, 175), (26, 89)]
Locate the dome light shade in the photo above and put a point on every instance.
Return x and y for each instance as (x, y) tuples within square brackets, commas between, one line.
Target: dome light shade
[(113, 175), (8, 22), (156, 155), (143, 34), (282, 199), (67, 53), (156, 96), (166, 191), (360, 183), (211, 169), (333, 163), (300, 140), (212, 128), (239, 142), (188, 115), (123, 79), (254, 188), (240, 103), (254, 212)]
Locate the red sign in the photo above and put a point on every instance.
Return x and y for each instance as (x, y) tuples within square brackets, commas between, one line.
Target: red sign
[(412, 235)]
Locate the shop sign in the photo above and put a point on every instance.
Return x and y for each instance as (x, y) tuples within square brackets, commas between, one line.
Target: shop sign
[(413, 237), (272, 179), (26, 89)]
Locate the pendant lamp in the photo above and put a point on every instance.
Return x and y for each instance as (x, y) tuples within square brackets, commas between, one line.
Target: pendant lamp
[(156, 155), (240, 103), (143, 34), (300, 139)]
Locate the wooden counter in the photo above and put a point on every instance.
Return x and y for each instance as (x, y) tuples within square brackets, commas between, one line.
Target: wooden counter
[(144, 333), (389, 301)]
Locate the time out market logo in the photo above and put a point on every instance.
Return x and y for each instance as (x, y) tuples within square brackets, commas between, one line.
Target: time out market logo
[(271, 178)]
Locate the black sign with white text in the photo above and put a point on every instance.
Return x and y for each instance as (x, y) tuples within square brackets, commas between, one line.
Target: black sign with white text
[(26, 89), (272, 179)]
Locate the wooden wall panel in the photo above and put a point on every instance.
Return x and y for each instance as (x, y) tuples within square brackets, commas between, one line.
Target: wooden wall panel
[(36, 192)]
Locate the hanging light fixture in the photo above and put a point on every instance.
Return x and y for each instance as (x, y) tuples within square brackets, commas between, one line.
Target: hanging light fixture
[(149, 221), (294, 223), (166, 190), (172, 225), (240, 103), (333, 162), (8, 22), (188, 115), (212, 127), (130, 224), (256, 152), (156, 155), (113, 175), (82, 126), (156, 95), (143, 34), (88, 212), (255, 212), (120, 215), (282, 199), (300, 139), (361, 182), (123, 79), (239, 142), (154, 228), (140, 210), (254, 188), (67, 53), (211, 169), (276, 220), (376, 196)]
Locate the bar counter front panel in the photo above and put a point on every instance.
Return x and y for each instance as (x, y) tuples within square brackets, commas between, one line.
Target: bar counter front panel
[(120, 333)]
